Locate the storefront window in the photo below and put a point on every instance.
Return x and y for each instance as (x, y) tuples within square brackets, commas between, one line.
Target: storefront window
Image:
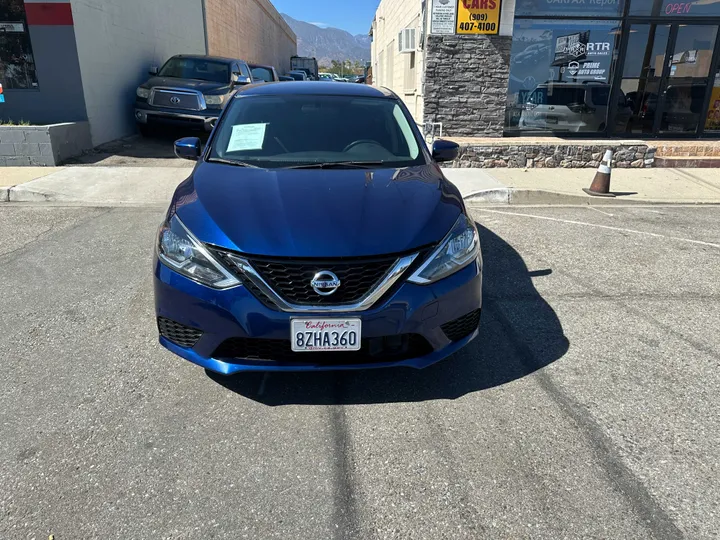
[(570, 8), (561, 75), (675, 8), (712, 120), (17, 65)]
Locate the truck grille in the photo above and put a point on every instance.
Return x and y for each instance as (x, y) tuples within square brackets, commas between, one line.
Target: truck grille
[(176, 99)]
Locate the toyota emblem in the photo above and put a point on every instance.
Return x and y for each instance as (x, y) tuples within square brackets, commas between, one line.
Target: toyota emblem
[(175, 100), (325, 283)]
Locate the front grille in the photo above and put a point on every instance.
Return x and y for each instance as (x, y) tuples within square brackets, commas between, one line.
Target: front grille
[(462, 327), (176, 99), (382, 349), (291, 279), (182, 335)]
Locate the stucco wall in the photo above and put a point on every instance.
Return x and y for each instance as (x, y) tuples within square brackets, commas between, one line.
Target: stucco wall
[(117, 41), (252, 30), (391, 17)]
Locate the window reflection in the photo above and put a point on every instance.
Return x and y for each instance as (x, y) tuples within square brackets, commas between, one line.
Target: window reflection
[(561, 76), (17, 65)]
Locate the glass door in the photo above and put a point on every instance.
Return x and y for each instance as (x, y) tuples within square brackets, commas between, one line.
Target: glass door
[(685, 80), (637, 100)]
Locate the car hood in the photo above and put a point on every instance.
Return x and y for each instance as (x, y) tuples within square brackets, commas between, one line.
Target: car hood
[(190, 84), (317, 213)]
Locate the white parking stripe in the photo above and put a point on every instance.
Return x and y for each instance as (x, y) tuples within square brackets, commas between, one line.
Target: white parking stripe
[(598, 210), (620, 229)]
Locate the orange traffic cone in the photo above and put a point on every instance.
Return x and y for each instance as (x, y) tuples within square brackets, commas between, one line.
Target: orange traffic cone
[(600, 186)]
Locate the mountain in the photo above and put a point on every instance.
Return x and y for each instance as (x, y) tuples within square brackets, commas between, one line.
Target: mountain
[(328, 44)]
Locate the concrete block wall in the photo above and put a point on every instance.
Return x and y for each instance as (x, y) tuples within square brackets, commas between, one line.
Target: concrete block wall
[(466, 84), (252, 30), (25, 146)]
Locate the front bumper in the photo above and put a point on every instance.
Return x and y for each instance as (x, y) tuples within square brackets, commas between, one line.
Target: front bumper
[(201, 120), (419, 311)]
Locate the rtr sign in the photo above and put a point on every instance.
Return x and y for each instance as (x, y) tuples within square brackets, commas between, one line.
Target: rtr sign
[(478, 17)]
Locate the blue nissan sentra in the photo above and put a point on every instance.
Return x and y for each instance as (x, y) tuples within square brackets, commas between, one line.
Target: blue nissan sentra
[(316, 231)]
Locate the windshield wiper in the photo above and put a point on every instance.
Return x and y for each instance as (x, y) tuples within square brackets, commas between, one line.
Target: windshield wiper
[(231, 162), (338, 165)]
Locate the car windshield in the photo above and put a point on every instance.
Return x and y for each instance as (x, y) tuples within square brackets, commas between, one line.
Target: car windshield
[(275, 131), (196, 68)]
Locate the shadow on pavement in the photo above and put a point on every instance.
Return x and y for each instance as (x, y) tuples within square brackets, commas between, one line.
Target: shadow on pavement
[(519, 334), (136, 149)]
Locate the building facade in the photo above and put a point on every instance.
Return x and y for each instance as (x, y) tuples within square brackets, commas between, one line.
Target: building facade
[(617, 68), (75, 61)]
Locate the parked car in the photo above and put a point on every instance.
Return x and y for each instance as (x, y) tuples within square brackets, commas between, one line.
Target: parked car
[(298, 75), (360, 80), (345, 273), (188, 91), (572, 107), (327, 77), (286, 78), (263, 73)]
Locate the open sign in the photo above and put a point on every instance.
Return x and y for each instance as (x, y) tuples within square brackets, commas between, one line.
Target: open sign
[(677, 8)]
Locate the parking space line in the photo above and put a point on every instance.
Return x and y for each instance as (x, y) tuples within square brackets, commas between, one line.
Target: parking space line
[(598, 210), (619, 229)]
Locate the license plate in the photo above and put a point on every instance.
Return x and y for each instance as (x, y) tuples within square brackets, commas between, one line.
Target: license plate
[(325, 335), (551, 119)]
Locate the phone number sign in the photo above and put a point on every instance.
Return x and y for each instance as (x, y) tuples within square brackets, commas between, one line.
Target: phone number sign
[(478, 17)]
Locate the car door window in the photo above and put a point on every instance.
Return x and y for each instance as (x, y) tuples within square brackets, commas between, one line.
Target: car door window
[(262, 74)]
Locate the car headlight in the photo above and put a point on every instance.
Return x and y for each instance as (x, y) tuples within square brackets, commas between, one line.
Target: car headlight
[(143, 92), (181, 251), (458, 249), (214, 100)]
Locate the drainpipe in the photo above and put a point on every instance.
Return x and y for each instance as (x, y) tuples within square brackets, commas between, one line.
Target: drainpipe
[(205, 28)]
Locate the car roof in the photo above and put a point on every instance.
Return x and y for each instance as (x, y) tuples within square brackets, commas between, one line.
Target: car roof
[(315, 88), (205, 57)]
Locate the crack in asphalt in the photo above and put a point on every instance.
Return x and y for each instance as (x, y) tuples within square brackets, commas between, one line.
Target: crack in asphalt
[(345, 511), (659, 523)]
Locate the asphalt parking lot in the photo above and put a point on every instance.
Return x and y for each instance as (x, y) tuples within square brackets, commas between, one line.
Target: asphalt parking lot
[(588, 408)]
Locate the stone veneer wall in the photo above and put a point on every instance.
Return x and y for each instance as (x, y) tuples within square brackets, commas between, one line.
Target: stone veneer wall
[(522, 153), (466, 82)]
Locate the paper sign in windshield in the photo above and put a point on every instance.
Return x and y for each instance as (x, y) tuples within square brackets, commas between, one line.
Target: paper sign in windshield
[(247, 137)]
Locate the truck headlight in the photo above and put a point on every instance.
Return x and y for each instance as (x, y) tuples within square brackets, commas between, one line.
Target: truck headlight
[(143, 93), (181, 251), (459, 248), (215, 100)]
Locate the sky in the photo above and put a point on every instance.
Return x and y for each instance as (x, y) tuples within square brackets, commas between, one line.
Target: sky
[(355, 16)]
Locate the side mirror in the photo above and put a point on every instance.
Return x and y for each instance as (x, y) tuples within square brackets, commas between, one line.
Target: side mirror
[(239, 79), (188, 148), (154, 70), (445, 150)]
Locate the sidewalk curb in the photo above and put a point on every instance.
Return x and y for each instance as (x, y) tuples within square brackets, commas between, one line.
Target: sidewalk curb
[(511, 196), (18, 194), (5, 194)]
